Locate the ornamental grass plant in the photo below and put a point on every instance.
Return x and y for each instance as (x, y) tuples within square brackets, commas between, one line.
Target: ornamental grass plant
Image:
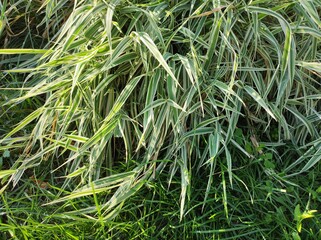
[(124, 119)]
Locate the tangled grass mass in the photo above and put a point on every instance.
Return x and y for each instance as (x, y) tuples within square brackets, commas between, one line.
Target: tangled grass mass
[(165, 119)]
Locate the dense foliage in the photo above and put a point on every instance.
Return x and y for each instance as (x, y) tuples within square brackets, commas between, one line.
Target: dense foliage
[(160, 119)]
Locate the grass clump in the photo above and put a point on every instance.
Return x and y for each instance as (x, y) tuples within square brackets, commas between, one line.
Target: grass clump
[(179, 119)]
